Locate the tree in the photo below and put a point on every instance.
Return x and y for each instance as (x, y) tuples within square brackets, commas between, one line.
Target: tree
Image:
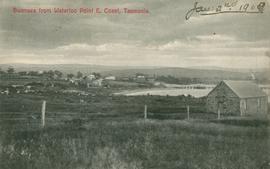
[(97, 75), (2, 72), (139, 74), (79, 75), (10, 70), (58, 73), (33, 73), (22, 73), (70, 76), (50, 74)]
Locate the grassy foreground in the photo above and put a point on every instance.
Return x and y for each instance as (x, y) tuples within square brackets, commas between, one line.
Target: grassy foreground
[(138, 144), (108, 132)]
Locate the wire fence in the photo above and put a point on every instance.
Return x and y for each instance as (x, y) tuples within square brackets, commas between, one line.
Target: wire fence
[(30, 113)]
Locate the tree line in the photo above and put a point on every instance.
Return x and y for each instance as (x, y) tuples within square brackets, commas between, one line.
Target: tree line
[(56, 74)]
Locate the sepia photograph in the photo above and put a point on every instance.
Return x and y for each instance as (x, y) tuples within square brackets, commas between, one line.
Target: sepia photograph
[(126, 84)]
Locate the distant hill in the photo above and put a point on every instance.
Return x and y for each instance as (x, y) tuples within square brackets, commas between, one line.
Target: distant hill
[(229, 69), (181, 72), (122, 71), (65, 68)]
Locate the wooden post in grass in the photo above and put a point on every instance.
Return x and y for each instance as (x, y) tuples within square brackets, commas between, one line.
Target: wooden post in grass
[(145, 111), (188, 112), (43, 111)]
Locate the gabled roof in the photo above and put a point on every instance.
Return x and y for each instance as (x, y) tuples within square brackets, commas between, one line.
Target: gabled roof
[(245, 89)]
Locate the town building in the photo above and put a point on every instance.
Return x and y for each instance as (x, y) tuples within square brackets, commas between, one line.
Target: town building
[(110, 78)]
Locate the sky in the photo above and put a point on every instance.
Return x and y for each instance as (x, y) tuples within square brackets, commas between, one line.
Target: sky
[(162, 37)]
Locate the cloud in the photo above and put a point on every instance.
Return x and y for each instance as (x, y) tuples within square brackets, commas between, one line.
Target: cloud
[(75, 46), (209, 45), (267, 53), (107, 47), (215, 37), (162, 38), (173, 45), (175, 53)]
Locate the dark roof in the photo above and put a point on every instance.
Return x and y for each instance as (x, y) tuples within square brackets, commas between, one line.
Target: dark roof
[(245, 89)]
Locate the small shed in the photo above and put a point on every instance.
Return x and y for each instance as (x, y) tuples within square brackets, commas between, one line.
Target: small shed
[(237, 98)]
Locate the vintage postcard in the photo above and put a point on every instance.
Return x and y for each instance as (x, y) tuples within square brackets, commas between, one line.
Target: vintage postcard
[(134, 84)]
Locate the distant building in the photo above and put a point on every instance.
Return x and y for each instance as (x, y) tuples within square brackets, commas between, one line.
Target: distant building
[(157, 83), (140, 79), (74, 81), (126, 79), (110, 78), (97, 83), (28, 89), (91, 77), (5, 92), (237, 98), (151, 79), (40, 72)]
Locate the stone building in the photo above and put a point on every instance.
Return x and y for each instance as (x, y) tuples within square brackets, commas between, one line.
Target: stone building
[(237, 98)]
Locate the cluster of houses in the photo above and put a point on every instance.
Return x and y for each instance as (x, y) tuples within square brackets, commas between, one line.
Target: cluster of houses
[(91, 80), (94, 81)]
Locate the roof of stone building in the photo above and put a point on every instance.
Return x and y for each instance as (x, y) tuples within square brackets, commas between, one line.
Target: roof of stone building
[(245, 89)]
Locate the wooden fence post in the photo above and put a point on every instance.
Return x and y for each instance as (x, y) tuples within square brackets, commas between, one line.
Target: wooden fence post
[(188, 112), (145, 111), (43, 111)]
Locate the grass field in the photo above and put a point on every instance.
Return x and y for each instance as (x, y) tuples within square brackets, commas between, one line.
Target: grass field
[(59, 105), (136, 144), (109, 132)]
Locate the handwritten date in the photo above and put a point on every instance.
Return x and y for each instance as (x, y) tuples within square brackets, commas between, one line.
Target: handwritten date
[(227, 7)]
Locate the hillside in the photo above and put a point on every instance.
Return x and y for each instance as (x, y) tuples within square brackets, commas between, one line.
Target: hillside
[(122, 71), (180, 73)]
